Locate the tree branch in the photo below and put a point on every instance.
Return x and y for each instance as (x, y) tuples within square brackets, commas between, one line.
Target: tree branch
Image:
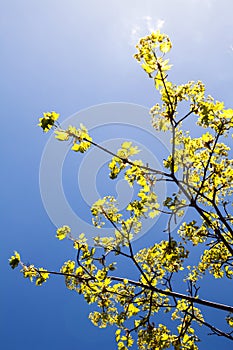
[(177, 295), (194, 300)]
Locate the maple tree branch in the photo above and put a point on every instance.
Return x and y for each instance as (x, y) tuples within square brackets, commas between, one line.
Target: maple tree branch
[(177, 295), (127, 161), (216, 330), (194, 204), (184, 117), (148, 287)]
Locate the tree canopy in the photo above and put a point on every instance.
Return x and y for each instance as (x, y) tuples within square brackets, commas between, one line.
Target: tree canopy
[(199, 175)]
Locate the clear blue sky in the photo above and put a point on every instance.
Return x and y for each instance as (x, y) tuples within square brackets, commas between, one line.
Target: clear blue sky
[(67, 56)]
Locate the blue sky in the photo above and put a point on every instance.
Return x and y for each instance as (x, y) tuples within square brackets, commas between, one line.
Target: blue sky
[(67, 56)]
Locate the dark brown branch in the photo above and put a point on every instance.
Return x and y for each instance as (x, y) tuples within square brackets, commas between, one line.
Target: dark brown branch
[(183, 118), (177, 295), (127, 161), (151, 288), (216, 331), (194, 204), (207, 165)]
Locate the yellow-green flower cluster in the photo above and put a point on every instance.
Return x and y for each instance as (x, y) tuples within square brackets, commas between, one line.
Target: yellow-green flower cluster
[(80, 137), (14, 260), (62, 232), (48, 120), (147, 53), (119, 162)]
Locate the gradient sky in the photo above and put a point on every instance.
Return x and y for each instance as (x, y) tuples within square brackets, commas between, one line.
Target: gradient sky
[(67, 56)]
